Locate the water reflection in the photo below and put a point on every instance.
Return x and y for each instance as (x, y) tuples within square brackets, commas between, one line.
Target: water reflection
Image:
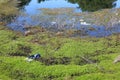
[(39, 1), (23, 3), (94, 5), (33, 15), (84, 5)]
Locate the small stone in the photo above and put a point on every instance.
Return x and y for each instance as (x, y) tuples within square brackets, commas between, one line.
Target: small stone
[(27, 33), (116, 14), (117, 59), (81, 20), (59, 34), (92, 29)]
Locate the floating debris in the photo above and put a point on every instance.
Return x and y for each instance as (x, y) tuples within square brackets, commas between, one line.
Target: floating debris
[(84, 23)]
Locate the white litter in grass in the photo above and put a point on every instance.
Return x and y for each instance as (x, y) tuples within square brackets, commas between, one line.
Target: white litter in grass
[(28, 59)]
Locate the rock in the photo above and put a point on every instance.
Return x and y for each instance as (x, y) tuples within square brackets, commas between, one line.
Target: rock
[(2, 23), (91, 29), (81, 20), (59, 33), (28, 33), (116, 14), (117, 59)]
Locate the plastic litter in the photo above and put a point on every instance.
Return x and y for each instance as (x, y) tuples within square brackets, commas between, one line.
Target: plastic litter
[(33, 57), (29, 60)]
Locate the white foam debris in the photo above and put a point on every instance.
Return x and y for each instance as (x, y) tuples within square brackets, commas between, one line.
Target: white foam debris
[(84, 23), (53, 23)]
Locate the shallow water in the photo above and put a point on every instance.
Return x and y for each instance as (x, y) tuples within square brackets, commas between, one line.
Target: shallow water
[(32, 15)]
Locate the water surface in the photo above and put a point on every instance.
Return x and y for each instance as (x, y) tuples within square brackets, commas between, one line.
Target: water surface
[(32, 15), (82, 5)]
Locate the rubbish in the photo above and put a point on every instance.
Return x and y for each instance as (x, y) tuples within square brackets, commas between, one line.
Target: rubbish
[(33, 57), (28, 59)]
